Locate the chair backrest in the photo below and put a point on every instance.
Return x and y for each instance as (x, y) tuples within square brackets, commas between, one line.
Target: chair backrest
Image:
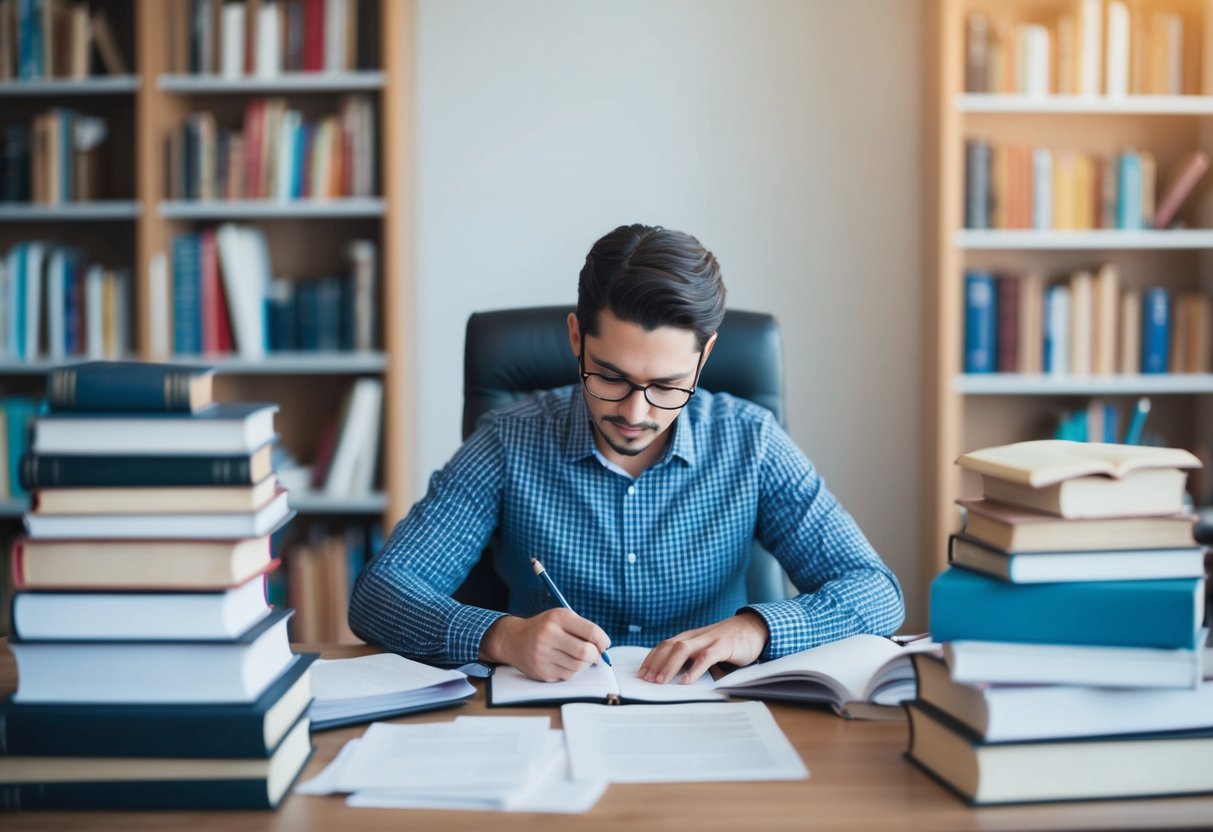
[(511, 353)]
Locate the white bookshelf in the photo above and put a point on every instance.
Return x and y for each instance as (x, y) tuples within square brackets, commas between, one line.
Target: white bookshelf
[(1094, 240), (1011, 384), (287, 82), (268, 209), (1162, 105), (92, 211), (99, 85)]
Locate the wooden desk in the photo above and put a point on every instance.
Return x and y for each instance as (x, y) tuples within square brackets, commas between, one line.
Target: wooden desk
[(859, 780)]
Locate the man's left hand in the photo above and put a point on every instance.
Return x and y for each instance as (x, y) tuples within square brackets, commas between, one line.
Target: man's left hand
[(739, 640)]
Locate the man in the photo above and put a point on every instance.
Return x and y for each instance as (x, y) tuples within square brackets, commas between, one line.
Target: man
[(639, 493)]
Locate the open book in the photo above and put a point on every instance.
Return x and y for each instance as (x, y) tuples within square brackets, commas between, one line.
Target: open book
[(861, 677), (1047, 461)]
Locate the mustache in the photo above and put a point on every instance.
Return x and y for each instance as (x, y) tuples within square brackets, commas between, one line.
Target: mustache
[(623, 423)]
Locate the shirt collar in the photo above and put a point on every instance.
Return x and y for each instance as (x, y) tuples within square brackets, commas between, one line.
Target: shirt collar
[(580, 441)]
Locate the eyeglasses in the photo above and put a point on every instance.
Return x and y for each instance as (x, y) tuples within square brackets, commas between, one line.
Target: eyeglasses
[(616, 388)]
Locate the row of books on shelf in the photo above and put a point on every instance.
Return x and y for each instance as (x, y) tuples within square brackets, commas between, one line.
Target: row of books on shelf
[(141, 625), (224, 298), (1071, 616), (276, 153), (1017, 186), (54, 158), (1082, 325), (263, 38), (58, 305), (53, 39), (1115, 48)]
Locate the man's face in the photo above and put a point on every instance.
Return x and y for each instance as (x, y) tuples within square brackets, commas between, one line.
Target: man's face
[(633, 432)]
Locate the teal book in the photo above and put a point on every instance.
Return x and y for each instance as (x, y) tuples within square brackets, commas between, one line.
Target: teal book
[(1165, 613), (129, 386)]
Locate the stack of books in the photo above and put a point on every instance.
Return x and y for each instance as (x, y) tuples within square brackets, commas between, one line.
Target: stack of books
[(151, 671), (1071, 618)]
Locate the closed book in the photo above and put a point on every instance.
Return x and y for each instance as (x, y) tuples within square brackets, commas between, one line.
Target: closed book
[(368, 688), (154, 616), (1187, 173), (968, 605), (1018, 663), (85, 729), (1020, 530), (983, 773), (1056, 329), (155, 499), (1156, 491), (1155, 331), (184, 526), (170, 783), (138, 564), (1051, 567), (84, 470), (223, 428), (981, 323), (1008, 323), (129, 386), (230, 670), (1000, 713)]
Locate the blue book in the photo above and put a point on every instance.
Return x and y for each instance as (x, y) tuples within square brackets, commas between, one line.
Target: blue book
[(981, 323), (1163, 613), (129, 386), (1128, 196), (29, 40), (1155, 331), (187, 295)]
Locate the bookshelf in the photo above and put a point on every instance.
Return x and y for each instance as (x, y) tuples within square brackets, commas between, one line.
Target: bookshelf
[(136, 224), (970, 410)]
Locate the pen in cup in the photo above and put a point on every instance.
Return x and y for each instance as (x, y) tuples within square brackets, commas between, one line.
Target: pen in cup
[(558, 595)]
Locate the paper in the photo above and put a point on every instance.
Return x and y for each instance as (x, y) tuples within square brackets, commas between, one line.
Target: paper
[(678, 743), (378, 685)]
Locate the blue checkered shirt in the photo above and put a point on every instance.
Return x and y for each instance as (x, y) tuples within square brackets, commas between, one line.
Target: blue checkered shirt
[(644, 558)]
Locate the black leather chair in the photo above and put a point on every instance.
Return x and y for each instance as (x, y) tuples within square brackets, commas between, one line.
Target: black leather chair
[(511, 353)]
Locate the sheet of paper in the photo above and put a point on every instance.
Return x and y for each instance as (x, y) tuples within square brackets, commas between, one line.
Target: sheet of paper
[(375, 674), (326, 781), (627, 663), (678, 743)]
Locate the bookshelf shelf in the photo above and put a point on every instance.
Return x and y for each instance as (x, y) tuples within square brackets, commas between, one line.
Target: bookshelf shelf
[(1142, 105), (294, 363), (100, 210), (101, 85), (250, 209), (1104, 239), (288, 82), (311, 502), (1007, 384)]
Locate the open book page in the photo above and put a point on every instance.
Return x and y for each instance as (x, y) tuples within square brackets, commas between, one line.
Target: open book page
[(632, 688), (696, 742), (1047, 461)]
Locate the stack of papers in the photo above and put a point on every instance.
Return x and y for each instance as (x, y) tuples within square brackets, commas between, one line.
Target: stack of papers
[(347, 691), (486, 763)]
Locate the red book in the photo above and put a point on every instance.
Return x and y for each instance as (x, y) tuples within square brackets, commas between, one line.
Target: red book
[(209, 290), (1188, 174), (223, 324), (1008, 324), (313, 35)]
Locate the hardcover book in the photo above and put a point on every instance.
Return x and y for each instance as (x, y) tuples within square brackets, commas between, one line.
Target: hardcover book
[(224, 428), (1056, 567), (103, 470), (130, 386), (1019, 530)]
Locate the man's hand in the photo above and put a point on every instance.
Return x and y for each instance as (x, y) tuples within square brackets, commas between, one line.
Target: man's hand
[(550, 647), (739, 640)]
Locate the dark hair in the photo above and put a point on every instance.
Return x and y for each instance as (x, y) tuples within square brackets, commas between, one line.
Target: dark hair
[(654, 277)]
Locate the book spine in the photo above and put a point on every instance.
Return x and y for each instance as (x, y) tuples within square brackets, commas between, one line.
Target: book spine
[(1128, 202), (130, 387), (1155, 331), (41, 471), (187, 316), (980, 323), (1008, 323), (150, 794)]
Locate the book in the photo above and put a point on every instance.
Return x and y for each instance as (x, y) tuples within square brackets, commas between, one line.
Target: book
[(1187, 173), (1018, 530), (968, 605), (156, 499), (182, 526), (1136, 765), (130, 386), (86, 729), (231, 670), (138, 564), (1155, 331), (369, 688), (1158, 491), (154, 616), (1047, 461), (222, 428), (84, 470), (860, 677), (599, 683), (107, 44), (1051, 567), (1005, 662), (155, 783), (981, 323), (1000, 713)]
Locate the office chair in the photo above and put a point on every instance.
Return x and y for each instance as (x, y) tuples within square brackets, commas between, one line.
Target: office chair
[(511, 353)]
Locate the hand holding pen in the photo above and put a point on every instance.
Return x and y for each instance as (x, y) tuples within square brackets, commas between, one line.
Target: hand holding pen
[(558, 595)]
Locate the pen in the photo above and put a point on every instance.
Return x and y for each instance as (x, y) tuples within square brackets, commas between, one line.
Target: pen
[(555, 590)]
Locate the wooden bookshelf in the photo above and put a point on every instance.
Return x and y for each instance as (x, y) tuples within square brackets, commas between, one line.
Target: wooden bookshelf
[(967, 411)]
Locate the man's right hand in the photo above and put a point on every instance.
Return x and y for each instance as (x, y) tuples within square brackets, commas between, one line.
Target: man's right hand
[(550, 647)]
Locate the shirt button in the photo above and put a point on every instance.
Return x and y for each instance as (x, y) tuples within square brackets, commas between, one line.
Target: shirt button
[(631, 557), (633, 628), (631, 490)]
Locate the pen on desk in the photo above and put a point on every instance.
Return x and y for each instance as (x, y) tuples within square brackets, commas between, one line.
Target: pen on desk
[(1138, 422), (555, 590)]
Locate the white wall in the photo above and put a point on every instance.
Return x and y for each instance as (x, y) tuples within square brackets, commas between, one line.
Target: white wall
[(784, 135)]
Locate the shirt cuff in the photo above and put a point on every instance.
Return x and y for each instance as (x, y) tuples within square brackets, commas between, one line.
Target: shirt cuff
[(787, 622), (465, 632)]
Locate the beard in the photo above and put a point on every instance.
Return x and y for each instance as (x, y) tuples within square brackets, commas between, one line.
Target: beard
[(632, 447)]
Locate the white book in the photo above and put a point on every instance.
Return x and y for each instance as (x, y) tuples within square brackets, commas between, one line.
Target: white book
[(1034, 68), (1010, 713), (1057, 329), (35, 255), (1117, 68), (362, 416), (334, 35), (363, 256), (362, 478), (1082, 310), (1006, 662), (1042, 189), (161, 307), (56, 303), (1173, 36), (268, 62), (1090, 46), (155, 616), (245, 270), (232, 59), (142, 672), (94, 311)]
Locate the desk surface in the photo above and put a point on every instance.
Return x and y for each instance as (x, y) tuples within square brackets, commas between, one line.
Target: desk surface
[(859, 780)]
